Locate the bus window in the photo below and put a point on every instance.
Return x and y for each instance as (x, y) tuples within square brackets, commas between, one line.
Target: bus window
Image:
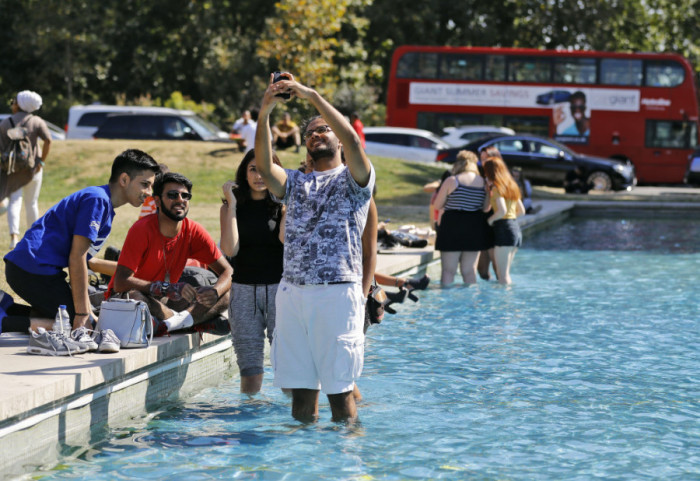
[(437, 121), (495, 68), (528, 124), (456, 66), (575, 70), (418, 65), (663, 74), (524, 69), (615, 71), (670, 134)]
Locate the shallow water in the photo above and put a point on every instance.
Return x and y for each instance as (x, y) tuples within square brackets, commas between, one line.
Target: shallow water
[(586, 368)]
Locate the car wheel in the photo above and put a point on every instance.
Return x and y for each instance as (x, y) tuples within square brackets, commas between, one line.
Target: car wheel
[(600, 181)]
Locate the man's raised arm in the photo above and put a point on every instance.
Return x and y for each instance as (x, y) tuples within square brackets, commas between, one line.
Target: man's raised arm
[(355, 157), (274, 176)]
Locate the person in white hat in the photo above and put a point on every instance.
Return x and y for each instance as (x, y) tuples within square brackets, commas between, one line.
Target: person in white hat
[(23, 105)]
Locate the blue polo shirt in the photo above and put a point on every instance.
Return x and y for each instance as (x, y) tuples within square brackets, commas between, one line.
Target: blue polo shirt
[(45, 247)]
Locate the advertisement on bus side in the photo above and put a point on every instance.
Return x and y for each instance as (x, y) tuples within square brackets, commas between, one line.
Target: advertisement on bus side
[(571, 108)]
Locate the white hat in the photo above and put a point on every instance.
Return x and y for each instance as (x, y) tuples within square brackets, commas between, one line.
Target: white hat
[(28, 101)]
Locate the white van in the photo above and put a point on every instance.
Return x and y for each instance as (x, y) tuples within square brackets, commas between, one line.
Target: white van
[(84, 120)]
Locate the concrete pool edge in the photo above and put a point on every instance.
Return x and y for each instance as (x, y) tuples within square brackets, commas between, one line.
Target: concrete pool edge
[(54, 406)]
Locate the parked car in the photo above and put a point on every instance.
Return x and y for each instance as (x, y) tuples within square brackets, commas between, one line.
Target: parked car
[(547, 162), (84, 120), (692, 175), (178, 125), (403, 143), (57, 132), (459, 136)]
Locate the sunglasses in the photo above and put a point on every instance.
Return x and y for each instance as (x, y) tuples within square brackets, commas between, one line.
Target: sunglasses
[(318, 130), (174, 194)]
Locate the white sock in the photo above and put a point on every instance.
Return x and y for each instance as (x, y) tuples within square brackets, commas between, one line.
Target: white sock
[(181, 320)]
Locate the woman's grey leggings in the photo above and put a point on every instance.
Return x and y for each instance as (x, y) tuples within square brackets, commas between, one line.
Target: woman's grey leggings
[(251, 311)]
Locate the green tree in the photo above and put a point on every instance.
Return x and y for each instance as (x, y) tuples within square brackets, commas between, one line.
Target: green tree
[(321, 43)]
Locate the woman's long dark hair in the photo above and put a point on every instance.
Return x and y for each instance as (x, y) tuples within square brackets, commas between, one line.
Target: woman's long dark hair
[(242, 191)]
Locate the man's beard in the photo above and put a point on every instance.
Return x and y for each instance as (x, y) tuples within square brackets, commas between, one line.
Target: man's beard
[(323, 153), (173, 216)]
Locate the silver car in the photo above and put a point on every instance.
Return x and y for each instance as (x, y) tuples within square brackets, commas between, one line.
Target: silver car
[(403, 143)]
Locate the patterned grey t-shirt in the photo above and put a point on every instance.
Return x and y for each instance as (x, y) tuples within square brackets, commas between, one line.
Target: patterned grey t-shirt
[(326, 215)]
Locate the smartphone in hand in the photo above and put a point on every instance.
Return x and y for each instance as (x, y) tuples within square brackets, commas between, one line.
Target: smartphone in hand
[(277, 77)]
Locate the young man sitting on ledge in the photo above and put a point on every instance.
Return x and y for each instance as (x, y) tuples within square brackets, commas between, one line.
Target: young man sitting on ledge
[(154, 255)]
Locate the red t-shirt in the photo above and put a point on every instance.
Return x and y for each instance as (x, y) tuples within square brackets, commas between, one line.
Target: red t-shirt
[(144, 248)]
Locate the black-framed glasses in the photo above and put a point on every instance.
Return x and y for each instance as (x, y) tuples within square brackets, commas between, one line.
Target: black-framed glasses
[(320, 130), (174, 194)]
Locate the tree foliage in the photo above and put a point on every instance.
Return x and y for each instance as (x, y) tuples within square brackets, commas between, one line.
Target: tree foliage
[(321, 43), (218, 53)]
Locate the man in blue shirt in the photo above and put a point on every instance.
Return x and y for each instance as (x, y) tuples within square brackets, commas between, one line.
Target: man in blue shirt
[(70, 234)]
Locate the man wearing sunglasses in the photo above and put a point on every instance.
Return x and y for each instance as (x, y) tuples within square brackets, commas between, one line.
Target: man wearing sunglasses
[(319, 343), (156, 251)]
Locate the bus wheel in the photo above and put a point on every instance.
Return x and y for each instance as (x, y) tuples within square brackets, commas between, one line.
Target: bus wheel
[(600, 181)]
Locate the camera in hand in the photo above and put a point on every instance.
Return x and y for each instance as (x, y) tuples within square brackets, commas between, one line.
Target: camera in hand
[(277, 77)]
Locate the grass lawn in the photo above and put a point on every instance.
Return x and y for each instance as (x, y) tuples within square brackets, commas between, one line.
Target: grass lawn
[(75, 164)]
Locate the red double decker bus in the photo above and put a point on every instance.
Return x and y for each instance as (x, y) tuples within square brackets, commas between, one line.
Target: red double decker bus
[(640, 107)]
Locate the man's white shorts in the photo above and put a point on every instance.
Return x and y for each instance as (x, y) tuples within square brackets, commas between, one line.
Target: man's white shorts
[(318, 341)]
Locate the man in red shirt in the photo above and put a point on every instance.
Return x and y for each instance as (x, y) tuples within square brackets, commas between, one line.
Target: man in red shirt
[(154, 255), (358, 127)]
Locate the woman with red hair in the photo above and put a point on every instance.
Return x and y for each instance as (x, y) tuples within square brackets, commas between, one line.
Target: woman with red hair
[(507, 207)]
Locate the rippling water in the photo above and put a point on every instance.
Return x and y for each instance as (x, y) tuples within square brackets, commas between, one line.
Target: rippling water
[(587, 368)]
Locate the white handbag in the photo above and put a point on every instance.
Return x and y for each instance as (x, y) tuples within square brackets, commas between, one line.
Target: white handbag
[(129, 319)]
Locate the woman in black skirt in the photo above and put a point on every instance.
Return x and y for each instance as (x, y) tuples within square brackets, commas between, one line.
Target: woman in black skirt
[(463, 231)]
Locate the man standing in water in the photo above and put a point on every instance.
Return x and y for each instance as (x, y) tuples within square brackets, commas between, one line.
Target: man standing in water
[(318, 342)]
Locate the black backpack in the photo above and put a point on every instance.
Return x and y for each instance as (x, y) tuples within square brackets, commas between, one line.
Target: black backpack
[(17, 154)]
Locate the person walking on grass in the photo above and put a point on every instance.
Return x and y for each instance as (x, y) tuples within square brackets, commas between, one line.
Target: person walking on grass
[(23, 106), (318, 342)]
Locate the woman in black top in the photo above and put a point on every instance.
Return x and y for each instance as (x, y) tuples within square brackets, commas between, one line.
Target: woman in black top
[(252, 232)]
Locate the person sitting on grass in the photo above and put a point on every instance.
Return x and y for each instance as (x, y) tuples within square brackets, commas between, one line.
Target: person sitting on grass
[(286, 133), (154, 255), (70, 235)]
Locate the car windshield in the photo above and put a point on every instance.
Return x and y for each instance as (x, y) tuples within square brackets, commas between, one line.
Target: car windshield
[(205, 129)]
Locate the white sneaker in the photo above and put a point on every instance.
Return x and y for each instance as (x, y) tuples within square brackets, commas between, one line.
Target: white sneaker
[(108, 341), (82, 336), (181, 320)]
